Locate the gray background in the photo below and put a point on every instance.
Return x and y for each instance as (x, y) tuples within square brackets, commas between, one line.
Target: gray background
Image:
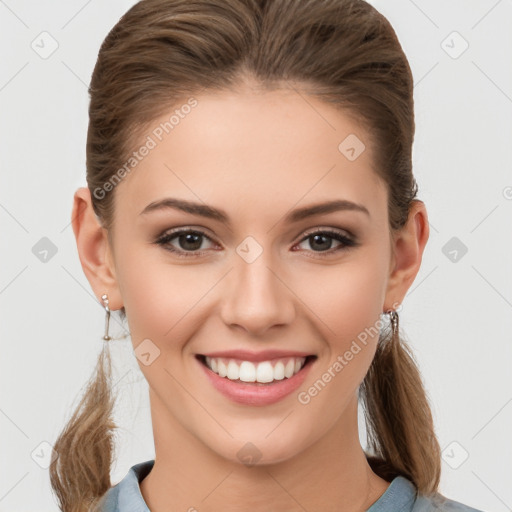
[(456, 316)]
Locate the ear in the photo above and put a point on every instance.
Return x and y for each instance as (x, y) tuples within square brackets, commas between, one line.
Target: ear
[(408, 246), (94, 250)]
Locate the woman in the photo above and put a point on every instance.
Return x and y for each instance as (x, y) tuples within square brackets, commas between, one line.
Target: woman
[(251, 211)]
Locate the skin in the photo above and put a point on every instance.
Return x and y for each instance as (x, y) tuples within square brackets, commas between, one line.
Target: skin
[(256, 155)]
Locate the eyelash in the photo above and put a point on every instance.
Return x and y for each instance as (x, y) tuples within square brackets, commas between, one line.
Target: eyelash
[(164, 240)]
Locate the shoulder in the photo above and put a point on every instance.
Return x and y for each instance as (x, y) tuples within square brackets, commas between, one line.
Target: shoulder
[(402, 496), (439, 503)]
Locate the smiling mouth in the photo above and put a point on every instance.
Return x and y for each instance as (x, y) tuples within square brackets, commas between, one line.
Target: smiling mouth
[(261, 373)]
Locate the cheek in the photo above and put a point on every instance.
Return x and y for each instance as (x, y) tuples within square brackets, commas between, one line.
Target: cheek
[(347, 311), (165, 303), (157, 296), (346, 302), (345, 299)]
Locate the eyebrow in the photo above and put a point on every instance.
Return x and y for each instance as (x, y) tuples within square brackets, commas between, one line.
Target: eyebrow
[(220, 215)]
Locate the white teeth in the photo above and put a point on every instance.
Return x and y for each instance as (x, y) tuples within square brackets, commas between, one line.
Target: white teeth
[(291, 368), (279, 371), (265, 372), (221, 369), (233, 371), (248, 371)]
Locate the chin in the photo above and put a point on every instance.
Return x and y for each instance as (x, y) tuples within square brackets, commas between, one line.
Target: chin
[(258, 451)]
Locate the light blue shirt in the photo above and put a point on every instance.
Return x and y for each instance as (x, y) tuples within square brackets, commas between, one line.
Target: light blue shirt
[(400, 496)]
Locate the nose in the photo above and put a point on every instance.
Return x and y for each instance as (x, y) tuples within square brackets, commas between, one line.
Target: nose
[(257, 297)]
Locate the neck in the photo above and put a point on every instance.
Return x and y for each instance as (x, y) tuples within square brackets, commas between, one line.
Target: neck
[(331, 474)]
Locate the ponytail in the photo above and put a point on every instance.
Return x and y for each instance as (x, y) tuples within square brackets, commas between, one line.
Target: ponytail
[(399, 424), (80, 471)]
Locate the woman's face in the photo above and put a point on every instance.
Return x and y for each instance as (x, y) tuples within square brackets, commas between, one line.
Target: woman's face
[(254, 277)]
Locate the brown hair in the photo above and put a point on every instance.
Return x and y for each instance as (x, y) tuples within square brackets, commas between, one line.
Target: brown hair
[(341, 51)]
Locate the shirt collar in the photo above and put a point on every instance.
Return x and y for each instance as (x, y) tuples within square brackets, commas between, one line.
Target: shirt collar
[(398, 497), (126, 496)]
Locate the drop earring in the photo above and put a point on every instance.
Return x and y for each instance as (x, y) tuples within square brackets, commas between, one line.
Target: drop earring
[(393, 318), (104, 298)]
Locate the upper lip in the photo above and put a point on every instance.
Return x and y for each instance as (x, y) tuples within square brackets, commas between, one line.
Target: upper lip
[(264, 355)]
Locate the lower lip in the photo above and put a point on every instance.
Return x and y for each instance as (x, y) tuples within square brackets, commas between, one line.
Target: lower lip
[(255, 393)]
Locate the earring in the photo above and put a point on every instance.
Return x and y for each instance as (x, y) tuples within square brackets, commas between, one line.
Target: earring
[(104, 297), (393, 318)]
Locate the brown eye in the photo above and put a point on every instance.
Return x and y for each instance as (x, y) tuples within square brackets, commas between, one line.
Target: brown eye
[(188, 241), (321, 241)]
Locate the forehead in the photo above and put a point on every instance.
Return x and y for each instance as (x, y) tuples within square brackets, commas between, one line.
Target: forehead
[(255, 151)]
